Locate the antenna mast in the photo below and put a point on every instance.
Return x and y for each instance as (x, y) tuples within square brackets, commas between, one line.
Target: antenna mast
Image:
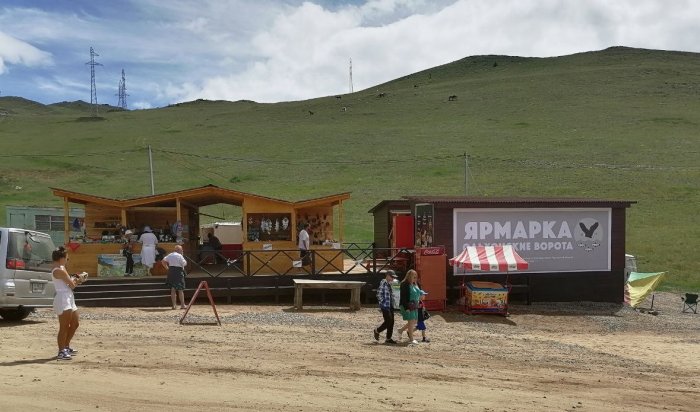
[(93, 88), (122, 92), (351, 90)]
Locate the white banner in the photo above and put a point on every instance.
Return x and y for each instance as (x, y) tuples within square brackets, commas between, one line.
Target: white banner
[(550, 240)]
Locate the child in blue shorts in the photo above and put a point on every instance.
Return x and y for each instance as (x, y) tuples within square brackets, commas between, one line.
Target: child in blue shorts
[(421, 317)]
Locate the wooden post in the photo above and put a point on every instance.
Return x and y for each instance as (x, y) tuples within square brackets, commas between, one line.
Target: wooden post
[(342, 223), (178, 212), (355, 298), (298, 297), (66, 221), (123, 222)]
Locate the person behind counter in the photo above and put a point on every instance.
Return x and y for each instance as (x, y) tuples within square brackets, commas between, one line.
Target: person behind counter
[(148, 250), (304, 254), (215, 244)]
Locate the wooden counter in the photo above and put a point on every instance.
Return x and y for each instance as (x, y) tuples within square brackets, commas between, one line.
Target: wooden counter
[(84, 257)]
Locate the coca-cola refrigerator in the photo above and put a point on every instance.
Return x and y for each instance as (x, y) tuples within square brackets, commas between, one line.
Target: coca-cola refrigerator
[(431, 265)]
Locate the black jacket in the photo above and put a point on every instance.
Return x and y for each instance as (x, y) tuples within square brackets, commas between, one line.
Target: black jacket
[(405, 293)]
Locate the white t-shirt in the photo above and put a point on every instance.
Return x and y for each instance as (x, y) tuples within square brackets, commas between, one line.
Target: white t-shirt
[(304, 240), (175, 259)]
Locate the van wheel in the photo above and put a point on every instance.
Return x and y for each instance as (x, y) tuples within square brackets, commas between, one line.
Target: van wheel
[(15, 314)]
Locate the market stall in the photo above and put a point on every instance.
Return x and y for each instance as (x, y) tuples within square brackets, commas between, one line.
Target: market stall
[(268, 231), (487, 297)]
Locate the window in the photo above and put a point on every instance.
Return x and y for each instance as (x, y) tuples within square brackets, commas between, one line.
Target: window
[(49, 223), (33, 248)]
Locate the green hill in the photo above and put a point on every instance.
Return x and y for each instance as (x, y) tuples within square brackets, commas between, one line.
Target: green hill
[(618, 124)]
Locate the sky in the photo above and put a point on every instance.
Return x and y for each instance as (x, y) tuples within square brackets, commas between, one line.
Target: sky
[(283, 50)]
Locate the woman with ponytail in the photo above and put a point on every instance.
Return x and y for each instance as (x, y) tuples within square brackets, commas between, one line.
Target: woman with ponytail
[(64, 303)]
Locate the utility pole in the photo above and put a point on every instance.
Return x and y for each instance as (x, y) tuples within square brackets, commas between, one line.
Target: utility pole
[(150, 165), (351, 88), (93, 88), (122, 92), (466, 174)]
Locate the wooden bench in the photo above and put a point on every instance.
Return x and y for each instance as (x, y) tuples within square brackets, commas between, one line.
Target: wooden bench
[(301, 284)]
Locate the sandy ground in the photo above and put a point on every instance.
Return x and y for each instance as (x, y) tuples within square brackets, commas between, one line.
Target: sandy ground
[(588, 357)]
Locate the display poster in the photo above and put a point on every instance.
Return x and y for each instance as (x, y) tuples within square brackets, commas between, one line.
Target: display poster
[(424, 225), (550, 240), (114, 265), (265, 227)]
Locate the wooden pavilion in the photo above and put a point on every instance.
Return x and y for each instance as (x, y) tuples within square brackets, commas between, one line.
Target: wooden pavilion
[(268, 224)]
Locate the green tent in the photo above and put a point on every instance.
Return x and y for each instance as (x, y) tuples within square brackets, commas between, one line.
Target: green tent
[(640, 285)]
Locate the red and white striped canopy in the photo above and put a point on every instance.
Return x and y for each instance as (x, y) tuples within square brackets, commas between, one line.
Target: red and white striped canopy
[(490, 258)]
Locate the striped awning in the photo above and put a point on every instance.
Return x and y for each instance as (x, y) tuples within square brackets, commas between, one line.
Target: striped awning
[(489, 258)]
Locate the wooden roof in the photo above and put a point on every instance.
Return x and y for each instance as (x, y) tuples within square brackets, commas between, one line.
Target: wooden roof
[(469, 201), (492, 202), (199, 196)]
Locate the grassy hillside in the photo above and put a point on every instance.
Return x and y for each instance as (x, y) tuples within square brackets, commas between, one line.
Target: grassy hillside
[(618, 124)]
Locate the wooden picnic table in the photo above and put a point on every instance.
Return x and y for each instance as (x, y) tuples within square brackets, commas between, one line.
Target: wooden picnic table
[(301, 284)]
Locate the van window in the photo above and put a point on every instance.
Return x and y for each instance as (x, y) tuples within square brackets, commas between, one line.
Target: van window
[(34, 249)]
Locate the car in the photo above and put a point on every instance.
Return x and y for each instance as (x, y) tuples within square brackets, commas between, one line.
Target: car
[(25, 272)]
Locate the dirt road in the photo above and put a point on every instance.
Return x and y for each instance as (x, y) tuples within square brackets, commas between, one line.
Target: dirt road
[(588, 357)]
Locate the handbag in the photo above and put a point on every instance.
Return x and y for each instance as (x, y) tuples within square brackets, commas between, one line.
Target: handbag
[(426, 314)]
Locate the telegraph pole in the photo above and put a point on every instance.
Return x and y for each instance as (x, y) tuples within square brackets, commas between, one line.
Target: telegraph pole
[(150, 165), (466, 174), (351, 88)]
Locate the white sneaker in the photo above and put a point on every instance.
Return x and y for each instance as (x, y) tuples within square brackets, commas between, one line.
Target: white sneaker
[(414, 342), (63, 355)]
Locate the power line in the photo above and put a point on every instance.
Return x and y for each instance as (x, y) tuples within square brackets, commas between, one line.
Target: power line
[(73, 154), (316, 162)]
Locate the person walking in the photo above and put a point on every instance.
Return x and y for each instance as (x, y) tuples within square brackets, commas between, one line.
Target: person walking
[(422, 313), (176, 276), (64, 304), (408, 304), (148, 248), (385, 297)]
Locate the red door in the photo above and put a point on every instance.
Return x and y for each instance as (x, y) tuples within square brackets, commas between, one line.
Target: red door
[(402, 228)]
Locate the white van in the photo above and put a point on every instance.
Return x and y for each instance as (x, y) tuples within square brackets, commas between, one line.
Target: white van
[(25, 272)]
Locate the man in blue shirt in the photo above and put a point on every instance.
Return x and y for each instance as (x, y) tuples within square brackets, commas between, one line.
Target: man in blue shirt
[(385, 297)]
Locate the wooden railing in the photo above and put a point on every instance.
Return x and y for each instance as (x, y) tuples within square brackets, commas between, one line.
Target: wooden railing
[(363, 258)]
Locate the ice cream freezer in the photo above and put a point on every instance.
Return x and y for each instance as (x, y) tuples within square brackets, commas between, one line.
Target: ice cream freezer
[(484, 297)]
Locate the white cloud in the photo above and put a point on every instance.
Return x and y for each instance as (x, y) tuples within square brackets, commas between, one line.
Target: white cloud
[(140, 105), (304, 52), (15, 51), (272, 51)]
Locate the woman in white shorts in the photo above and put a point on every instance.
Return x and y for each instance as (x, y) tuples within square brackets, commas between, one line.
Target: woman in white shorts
[(64, 304)]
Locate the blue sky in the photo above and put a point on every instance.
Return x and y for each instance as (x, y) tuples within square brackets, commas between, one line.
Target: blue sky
[(271, 51)]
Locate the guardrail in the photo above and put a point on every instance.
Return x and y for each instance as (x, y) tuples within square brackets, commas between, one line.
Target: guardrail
[(356, 258)]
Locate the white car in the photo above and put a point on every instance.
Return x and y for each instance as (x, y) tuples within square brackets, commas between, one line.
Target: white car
[(25, 272)]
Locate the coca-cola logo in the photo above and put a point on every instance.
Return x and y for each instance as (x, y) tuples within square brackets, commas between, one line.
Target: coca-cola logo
[(432, 251)]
